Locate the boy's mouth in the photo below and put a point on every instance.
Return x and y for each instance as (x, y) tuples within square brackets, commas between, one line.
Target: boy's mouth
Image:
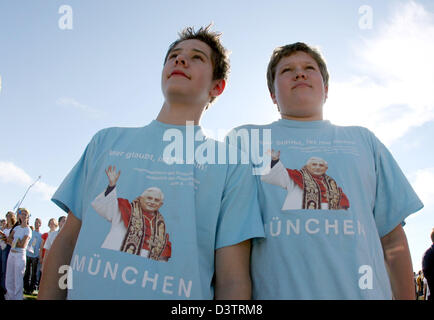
[(301, 85), (178, 73)]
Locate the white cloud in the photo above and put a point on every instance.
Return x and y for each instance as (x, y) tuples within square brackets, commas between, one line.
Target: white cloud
[(421, 181), (10, 173), (72, 103), (393, 91)]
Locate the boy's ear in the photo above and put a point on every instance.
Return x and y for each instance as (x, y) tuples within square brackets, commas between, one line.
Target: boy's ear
[(326, 90), (218, 87), (273, 97)]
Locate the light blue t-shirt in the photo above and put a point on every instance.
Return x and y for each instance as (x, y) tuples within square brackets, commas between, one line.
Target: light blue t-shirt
[(34, 245), (327, 198), (191, 209)]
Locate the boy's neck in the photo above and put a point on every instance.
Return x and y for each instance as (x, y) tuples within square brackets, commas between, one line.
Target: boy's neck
[(179, 114), (306, 119)]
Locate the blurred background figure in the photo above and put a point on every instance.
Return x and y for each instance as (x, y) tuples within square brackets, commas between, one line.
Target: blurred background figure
[(428, 268), (19, 239), (30, 276), (11, 220)]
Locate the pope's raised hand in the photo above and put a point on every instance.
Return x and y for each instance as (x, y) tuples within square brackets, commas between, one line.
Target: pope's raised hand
[(112, 175)]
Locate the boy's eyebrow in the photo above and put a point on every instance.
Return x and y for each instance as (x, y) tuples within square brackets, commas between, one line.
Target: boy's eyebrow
[(303, 62), (194, 49)]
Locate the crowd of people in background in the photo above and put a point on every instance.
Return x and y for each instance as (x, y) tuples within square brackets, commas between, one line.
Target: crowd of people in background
[(23, 249)]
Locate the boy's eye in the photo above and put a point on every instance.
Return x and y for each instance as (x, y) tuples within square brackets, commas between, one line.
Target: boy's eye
[(285, 70), (197, 57), (310, 67), (173, 55)]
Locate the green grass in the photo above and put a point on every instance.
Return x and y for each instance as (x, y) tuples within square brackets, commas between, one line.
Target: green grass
[(30, 296)]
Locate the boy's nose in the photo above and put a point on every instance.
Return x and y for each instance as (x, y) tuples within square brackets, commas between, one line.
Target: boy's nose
[(300, 74), (180, 59)]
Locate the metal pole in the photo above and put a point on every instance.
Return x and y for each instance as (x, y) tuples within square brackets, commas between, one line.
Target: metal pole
[(17, 206)]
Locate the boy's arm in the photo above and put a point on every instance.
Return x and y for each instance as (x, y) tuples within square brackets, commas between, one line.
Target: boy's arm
[(59, 254), (232, 268), (398, 263)]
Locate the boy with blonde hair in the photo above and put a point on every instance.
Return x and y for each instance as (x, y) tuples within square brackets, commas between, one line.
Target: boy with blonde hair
[(335, 245)]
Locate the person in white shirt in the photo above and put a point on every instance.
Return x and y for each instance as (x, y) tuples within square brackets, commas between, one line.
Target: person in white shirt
[(10, 222), (53, 233), (18, 238)]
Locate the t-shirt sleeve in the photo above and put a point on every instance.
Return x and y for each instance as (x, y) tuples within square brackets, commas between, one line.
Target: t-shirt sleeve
[(240, 217), (395, 198), (69, 195)]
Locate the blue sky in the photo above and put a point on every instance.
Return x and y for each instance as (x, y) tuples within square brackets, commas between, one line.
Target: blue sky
[(60, 86)]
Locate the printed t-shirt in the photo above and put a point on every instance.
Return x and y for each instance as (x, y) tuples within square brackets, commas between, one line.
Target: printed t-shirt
[(323, 229), (204, 207)]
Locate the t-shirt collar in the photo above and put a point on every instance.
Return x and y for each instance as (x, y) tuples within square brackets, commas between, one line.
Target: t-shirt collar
[(303, 124), (165, 126)]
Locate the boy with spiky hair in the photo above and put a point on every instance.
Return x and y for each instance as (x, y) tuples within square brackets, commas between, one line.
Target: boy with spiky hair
[(334, 231), (187, 236)]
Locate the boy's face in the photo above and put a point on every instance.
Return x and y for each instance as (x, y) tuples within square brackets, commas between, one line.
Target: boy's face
[(188, 72), (299, 89)]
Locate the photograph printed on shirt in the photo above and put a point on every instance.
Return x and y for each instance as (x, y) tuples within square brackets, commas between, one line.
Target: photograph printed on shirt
[(138, 227), (309, 187)]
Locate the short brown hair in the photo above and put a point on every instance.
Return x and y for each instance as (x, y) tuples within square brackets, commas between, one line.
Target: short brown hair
[(219, 55), (13, 217), (432, 235), (286, 51)]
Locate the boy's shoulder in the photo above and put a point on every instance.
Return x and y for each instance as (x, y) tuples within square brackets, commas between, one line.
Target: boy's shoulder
[(353, 128), (114, 133), (360, 131), (275, 124)]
